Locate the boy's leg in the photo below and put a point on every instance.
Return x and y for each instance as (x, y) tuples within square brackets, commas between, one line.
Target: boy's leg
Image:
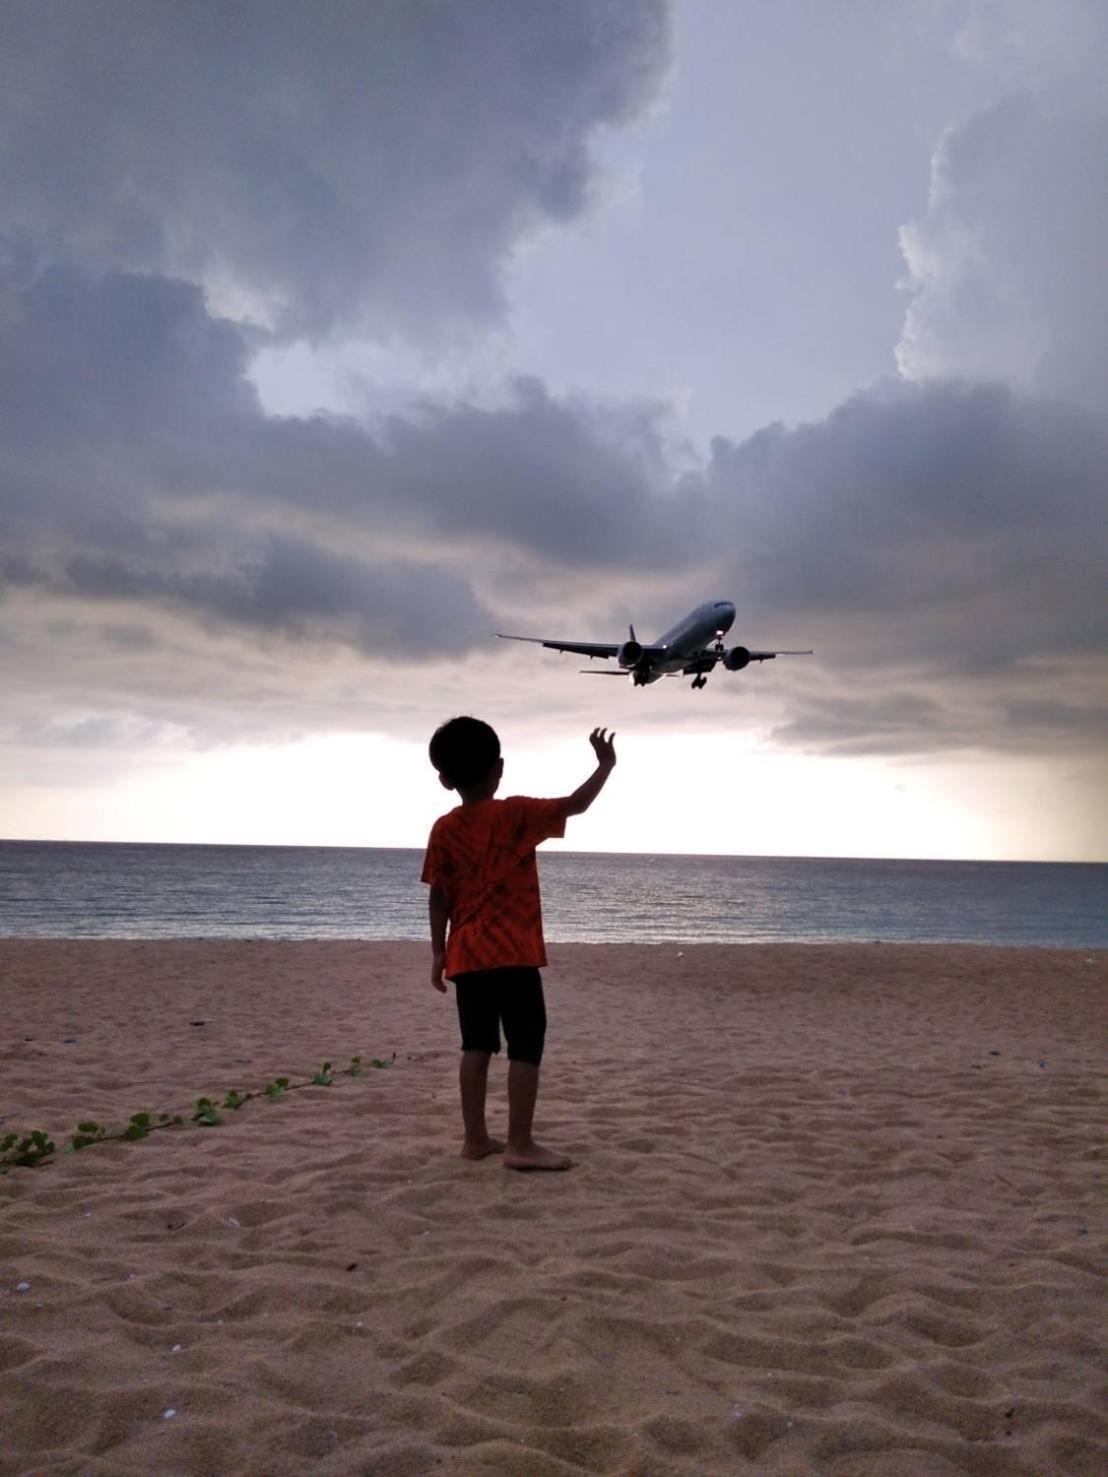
[(523, 1152), (480, 1028), (473, 1078), (523, 1011)]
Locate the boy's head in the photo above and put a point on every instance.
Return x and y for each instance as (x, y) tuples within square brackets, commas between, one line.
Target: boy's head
[(466, 753)]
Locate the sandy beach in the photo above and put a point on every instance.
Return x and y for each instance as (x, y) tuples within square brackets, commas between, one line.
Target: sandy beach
[(835, 1210)]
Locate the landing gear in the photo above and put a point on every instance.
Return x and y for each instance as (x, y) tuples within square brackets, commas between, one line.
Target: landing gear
[(708, 662)]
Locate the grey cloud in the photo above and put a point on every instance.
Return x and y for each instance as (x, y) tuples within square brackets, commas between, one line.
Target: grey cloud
[(117, 351), (326, 167), (1056, 50), (1007, 267), (971, 516), (923, 504), (83, 733), (940, 716), (943, 546), (123, 388), (1040, 722), (943, 542), (896, 721), (139, 466), (114, 389), (122, 402), (552, 477), (538, 473), (128, 636), (392, 611)]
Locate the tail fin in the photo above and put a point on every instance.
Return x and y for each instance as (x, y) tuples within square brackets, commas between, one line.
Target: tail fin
[(632, 630)]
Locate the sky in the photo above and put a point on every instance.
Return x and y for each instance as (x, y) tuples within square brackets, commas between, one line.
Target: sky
[(335, 339)]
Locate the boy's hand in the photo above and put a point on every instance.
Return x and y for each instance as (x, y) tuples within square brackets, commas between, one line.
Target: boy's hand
[(584, 795), (437, 962), (603, 747)]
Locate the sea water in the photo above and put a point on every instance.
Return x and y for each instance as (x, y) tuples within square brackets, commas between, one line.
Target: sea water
[(103, 890)]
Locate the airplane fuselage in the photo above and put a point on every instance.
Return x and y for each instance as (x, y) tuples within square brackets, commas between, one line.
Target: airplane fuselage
[(685, 642)]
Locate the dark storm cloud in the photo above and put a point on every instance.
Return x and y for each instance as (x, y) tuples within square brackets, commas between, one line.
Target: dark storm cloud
[(542, 474), (122, 402), (325, 164), (140, 467), (891, 721), (944, 547), (927, 539), (394, 610), (922, 502), (112, 389), (923, 537)]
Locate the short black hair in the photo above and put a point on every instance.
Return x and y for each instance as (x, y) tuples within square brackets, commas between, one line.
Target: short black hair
[(464, 750)]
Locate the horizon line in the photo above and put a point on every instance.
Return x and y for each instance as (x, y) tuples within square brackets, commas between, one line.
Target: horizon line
[(569, 851)]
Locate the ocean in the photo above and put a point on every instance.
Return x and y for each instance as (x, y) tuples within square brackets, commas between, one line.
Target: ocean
[(99, 890)]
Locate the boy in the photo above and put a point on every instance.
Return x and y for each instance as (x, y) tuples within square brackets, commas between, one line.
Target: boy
[(480, 865)]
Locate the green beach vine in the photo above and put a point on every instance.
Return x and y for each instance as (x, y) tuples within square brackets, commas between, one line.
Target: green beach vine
[(27, 1150)]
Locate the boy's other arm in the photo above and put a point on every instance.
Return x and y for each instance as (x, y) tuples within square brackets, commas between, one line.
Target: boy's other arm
[(584, 795), (439, 916)]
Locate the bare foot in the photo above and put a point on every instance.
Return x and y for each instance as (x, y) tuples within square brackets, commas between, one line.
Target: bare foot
[(535, 1157), (482, 1148)]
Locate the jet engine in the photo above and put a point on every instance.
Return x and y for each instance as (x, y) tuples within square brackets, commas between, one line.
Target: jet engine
[(629, 654), (736, 659)]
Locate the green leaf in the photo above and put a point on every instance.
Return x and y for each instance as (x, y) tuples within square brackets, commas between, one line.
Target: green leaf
[(34, 1146), (206, 1114)]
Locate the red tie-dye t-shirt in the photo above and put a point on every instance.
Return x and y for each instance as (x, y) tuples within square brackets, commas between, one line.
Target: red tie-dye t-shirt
[(482, 859)]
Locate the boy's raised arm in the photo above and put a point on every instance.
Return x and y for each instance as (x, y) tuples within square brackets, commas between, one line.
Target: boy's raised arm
[(584, 795)]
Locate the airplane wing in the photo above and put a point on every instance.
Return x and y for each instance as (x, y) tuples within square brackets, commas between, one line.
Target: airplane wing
[(590, 649), (581, 648), (705, 661)]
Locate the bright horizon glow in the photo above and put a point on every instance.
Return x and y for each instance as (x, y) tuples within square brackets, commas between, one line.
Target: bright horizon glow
[(702, 795)]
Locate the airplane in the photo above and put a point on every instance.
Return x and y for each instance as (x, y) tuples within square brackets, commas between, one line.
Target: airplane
[(691, 648)]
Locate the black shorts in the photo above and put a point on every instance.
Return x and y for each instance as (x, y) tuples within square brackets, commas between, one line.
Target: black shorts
[(489, 997)]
